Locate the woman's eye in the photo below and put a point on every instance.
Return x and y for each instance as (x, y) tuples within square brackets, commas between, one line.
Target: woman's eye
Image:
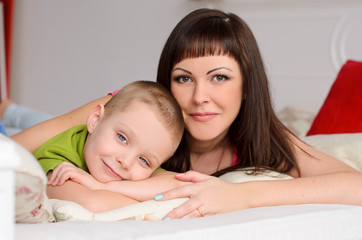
[(183, 79), (122, 138), (220, 78), (144, 161)]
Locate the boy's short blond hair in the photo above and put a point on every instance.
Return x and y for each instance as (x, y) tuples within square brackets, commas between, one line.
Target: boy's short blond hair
[(160, 100)]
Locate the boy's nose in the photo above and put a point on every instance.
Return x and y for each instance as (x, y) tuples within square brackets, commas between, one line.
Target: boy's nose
[(126, 162)]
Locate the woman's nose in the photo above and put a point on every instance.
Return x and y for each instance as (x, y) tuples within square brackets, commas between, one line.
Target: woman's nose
[(201, 94)]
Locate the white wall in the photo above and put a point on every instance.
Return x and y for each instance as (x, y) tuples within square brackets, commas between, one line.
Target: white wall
[(67, 52)]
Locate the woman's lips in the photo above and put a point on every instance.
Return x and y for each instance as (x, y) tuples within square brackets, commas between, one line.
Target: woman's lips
[(110, 170), (203, 117)]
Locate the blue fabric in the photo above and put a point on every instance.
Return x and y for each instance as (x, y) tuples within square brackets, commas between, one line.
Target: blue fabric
[(17, 118), (2, 129)]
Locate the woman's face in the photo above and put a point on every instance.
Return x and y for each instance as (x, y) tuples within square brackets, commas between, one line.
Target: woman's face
[(209, 91)]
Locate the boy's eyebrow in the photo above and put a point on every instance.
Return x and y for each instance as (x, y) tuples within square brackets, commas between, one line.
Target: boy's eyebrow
[(152, 159), (181, 70), (127, 130)]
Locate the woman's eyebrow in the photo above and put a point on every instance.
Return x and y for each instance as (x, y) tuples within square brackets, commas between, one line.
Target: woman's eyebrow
[(215, 69), (181, 70)]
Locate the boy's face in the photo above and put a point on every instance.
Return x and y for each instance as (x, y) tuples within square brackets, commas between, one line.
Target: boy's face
[(127, 145)]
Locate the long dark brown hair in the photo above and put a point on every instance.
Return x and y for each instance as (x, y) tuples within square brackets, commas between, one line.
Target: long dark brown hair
[(260, 139)]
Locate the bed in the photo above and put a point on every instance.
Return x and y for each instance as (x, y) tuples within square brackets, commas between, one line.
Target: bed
[(35, 214), (331, 118)]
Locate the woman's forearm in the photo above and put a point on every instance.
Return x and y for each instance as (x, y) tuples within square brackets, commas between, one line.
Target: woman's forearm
[(35, 136), (211, 195), (333, 188)]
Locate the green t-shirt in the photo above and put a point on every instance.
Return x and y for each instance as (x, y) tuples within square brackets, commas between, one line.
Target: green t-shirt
[(67, 146)]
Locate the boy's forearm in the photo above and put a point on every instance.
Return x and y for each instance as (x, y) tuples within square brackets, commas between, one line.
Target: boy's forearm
[(145, 189), (93, 200)]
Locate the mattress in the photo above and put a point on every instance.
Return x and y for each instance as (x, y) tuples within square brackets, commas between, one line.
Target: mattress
[(310, 221)]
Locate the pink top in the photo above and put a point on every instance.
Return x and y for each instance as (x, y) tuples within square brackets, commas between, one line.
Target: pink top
[(235, 157), (113, 93)]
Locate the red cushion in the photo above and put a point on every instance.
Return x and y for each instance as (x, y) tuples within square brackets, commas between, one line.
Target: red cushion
[(342, 110)]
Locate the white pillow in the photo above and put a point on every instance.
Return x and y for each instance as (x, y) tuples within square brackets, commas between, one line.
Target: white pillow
[(246, 174), (296, 120), (148, 210), (345, 147), (32, 203)]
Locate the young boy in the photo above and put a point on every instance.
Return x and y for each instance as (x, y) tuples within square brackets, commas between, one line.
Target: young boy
[(128, 138)]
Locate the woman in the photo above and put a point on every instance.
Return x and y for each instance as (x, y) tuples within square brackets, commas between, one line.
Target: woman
[(212, 65)]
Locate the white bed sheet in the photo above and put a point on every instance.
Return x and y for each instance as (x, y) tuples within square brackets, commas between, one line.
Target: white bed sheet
[(310, 221)]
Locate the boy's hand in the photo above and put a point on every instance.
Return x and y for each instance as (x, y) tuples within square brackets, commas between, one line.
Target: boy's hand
[(67, 171)]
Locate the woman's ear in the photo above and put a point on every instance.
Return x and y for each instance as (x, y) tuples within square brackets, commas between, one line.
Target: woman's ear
[(95, 117)]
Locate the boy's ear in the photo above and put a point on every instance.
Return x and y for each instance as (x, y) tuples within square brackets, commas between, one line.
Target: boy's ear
[(95, 117)]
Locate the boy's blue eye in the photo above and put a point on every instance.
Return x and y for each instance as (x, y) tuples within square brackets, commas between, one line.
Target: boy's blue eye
[(144, 161), (122, 138)]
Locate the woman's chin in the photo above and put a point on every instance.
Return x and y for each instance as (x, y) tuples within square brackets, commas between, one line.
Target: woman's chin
[(207, 134), (204, 136)]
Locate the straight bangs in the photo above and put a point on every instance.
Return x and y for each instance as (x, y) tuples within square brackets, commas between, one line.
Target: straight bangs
[(206, 38)]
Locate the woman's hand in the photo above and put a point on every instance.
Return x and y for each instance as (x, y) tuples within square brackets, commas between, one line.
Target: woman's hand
[(67, 171), (208, 195)]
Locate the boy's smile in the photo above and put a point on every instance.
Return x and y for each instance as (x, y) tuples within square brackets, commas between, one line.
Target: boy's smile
[(126, 145)]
